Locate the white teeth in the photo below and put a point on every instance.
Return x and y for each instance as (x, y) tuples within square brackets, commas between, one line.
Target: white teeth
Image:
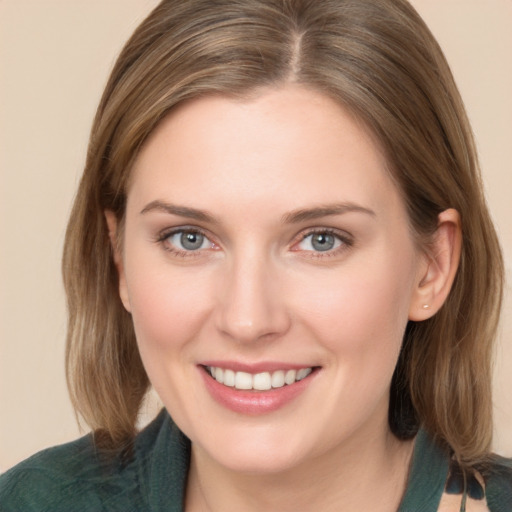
[(229, 378), (219, 375), (303, 373), (243, 380), (278, 379), (260, 381), (289, 378)]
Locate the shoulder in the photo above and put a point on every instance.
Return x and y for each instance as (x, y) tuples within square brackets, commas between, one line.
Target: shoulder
[(51, 478), (76, 477), (498, 483), (437, 482), (488, 487)]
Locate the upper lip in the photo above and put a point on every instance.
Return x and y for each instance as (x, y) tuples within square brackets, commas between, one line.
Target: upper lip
[(259, 367)]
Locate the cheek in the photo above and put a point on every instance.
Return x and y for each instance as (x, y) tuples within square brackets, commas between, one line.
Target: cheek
[(362, 310), (169, 309), (168, 306)]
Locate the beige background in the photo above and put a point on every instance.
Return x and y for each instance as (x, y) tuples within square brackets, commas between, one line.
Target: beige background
[(54, 59)]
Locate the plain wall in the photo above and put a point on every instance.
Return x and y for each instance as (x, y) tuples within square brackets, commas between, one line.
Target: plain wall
[(55, 56)]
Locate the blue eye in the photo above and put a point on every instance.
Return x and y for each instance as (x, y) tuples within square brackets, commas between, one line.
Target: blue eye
[(321, 241), (188, 240)]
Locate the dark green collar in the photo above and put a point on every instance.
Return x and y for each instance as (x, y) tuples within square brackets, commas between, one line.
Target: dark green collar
[(166, 469), (170, 461), (427, 477)]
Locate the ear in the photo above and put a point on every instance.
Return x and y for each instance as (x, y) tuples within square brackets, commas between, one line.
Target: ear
[(439, 267), (113, 225)]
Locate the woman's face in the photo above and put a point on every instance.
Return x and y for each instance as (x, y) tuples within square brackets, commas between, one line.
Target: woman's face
[(265, 244)]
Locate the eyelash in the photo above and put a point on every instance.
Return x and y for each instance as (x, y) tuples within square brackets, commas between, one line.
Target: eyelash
[(345, 240), (164, 236)]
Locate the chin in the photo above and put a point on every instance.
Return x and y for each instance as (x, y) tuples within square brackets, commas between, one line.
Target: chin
[(260, 461), (254, 450)]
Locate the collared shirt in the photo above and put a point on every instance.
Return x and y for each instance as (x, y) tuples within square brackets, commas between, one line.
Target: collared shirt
[(75, 477)]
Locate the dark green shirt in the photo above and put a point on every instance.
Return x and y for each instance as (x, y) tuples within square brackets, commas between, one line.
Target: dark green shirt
[(74, 478)]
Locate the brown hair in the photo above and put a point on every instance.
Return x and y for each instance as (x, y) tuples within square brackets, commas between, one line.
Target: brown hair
[(379, 60)]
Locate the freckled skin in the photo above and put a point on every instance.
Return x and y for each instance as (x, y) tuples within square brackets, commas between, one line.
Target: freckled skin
[(257, 290)]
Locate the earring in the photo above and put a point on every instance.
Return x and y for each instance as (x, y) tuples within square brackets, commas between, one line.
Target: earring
[(426, 306)]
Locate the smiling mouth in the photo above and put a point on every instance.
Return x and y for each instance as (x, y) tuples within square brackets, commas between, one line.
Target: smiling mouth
[(263, 381)]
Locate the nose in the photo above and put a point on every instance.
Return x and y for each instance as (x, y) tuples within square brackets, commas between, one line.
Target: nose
[(251, 302)]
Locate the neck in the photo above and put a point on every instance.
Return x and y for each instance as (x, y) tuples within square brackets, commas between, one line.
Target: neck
[(365, 473)]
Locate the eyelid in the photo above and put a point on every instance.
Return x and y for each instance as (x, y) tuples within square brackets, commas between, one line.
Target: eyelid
[(346, 239), (163, 235)]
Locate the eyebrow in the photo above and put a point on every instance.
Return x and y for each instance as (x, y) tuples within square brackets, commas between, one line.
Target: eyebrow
[(181, 211), (294, 217), (325, 211)]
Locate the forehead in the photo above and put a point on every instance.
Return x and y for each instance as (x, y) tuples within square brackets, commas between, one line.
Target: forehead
[(290, 144)]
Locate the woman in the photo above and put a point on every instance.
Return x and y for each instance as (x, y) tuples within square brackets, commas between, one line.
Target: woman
[(281, 227)]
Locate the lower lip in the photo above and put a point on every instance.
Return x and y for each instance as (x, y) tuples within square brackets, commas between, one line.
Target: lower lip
[(254, 402)]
